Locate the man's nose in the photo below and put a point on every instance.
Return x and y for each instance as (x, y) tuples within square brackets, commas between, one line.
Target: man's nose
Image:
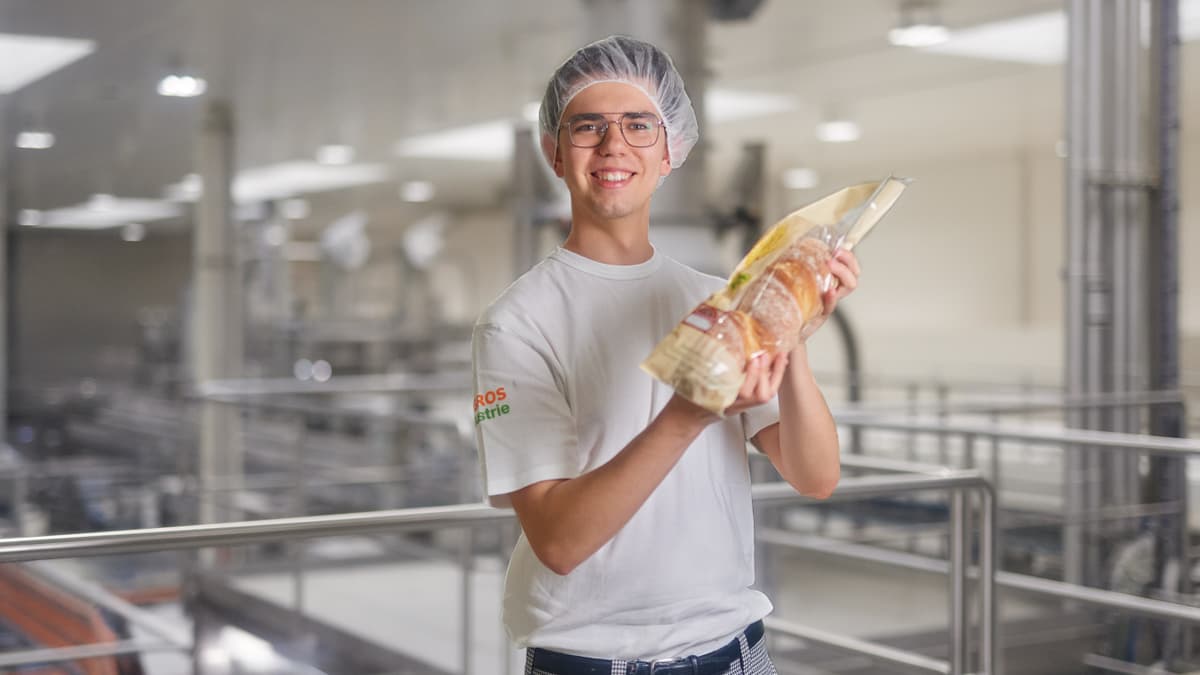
[(614, 140)]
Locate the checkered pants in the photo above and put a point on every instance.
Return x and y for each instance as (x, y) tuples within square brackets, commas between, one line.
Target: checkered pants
[(753, 661)]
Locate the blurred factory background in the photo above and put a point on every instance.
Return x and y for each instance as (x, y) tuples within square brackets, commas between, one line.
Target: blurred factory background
[(246, 242)]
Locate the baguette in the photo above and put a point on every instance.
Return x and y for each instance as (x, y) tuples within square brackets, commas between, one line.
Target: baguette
[(771, 299)]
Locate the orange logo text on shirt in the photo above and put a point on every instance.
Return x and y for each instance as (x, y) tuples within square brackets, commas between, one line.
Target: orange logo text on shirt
[(491, 404)]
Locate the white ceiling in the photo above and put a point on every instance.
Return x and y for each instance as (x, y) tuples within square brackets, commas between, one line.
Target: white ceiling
[(302, 73)]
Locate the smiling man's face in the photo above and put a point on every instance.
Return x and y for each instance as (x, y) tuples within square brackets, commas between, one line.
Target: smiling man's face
[(614, 180)]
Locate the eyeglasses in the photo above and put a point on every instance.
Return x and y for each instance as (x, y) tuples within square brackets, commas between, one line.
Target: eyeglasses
[(639, 129)]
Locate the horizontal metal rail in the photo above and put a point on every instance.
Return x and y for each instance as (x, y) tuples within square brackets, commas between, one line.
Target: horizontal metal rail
[(466, 515), (1159, 445), (307, 527), (877, 652), (1131, 604), (392, 383), (1006, 406), (26, 657)]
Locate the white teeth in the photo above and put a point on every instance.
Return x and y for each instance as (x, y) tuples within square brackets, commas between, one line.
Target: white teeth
[(614, 176)]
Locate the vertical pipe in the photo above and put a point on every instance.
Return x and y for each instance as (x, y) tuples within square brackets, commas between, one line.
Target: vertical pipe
[(216, 317), (6, 184), (525, 159), (988, 547), (958, 583), (1168, 477)]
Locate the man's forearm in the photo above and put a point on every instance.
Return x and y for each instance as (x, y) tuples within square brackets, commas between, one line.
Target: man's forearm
[(567, 521), (809, 456)]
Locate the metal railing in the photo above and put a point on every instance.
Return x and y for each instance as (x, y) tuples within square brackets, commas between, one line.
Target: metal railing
[(468, 516)]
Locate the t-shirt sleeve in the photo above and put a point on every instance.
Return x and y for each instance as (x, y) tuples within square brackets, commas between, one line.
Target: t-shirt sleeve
[(760, 417), (524, 429)]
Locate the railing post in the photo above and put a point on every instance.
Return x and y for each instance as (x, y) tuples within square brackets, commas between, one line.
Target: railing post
[(943, 397), (996, 457), (299, 507), (987, 580), (958, 585), (467, 559), (20, 495)]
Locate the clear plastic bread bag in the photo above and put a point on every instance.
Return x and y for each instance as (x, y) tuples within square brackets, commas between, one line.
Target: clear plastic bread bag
[(771, 298)]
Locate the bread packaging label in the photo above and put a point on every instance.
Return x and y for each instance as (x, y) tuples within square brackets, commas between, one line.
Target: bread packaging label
[(771, 298)]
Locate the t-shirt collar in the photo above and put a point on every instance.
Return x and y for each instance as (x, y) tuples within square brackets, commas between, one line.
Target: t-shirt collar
[(599, 269)]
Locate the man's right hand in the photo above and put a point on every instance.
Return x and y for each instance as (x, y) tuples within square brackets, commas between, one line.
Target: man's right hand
[(764, 374)]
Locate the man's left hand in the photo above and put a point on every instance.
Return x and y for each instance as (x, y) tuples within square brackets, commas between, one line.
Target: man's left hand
[(845, 270)]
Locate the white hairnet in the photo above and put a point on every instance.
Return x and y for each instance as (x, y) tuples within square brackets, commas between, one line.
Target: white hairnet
[(622, 59)]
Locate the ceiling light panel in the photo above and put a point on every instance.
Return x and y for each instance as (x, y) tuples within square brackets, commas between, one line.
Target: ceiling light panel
[(105, 211), (286, 179), (27, 58)]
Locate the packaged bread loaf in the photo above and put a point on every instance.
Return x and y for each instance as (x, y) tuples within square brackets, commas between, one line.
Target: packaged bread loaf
[(771, 297)]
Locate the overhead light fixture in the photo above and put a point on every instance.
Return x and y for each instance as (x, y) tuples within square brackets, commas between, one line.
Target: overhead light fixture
[(28, 58), (489, 141), (29, 218), (417, 191), (101, 212), (102, 202), (729, 105), (283, 180), (800, 178), (1034, 38), (920, 25), (182, 86), (838, 131), (35, 140), (133, 232), (919, 35), (188, 189), (335, 155)]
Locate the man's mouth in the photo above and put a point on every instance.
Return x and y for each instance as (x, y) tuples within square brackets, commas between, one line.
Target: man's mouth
[(612, 178)]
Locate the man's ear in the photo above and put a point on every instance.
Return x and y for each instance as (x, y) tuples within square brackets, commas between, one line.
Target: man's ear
[(550, 149), (558, 164), (665, 169)]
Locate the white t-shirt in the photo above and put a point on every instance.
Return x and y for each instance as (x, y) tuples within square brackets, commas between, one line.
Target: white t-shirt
[(559, 393)]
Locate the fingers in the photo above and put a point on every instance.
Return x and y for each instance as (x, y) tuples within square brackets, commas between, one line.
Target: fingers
[(754, 369), (764, 375), (845, 270), (847, 280), (848, 259)]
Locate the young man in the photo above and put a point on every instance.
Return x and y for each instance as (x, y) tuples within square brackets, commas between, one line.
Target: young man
[(637, 540)]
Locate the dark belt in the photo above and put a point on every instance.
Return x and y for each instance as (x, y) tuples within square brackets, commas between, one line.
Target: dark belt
[(716, 662)]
